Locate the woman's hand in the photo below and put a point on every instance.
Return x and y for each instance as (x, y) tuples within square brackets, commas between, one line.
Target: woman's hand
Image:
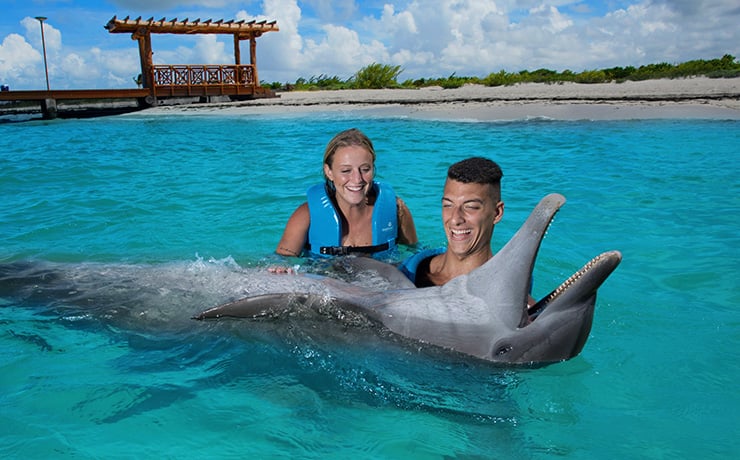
[(283, 270)]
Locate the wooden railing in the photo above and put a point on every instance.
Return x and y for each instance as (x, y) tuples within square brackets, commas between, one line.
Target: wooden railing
[(203, 79)]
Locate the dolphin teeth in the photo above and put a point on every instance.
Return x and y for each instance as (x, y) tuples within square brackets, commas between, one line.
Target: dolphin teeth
[(573, 278)]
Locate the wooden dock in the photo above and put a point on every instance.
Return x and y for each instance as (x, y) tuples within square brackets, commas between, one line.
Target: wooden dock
[(187, 86), (161, 83)]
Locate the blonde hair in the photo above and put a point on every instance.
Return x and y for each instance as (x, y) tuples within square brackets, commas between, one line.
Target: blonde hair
[(346, 138)]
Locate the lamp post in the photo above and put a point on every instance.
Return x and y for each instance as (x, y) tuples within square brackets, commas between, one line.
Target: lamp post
[(41, 20)]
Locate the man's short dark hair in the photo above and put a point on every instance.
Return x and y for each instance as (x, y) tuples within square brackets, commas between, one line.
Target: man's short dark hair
[(477, 170)]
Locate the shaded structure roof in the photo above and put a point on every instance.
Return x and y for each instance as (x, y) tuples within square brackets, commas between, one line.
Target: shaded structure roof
[(173, 26)]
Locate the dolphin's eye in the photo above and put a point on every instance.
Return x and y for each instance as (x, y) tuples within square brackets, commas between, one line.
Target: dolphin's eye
[(503, 350)]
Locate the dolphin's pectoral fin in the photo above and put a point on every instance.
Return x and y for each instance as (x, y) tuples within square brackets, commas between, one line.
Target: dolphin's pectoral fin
[(294, 307), (254, 306)]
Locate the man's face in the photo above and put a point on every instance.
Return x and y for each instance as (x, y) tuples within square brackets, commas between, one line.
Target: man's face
[(469, 212)]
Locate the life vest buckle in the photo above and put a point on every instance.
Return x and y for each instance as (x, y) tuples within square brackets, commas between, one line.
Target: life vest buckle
[(335, 250)]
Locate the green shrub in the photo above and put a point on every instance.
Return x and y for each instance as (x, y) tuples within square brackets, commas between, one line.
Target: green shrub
[(377, 76), (591, 76), (500, 78), (385, 76)]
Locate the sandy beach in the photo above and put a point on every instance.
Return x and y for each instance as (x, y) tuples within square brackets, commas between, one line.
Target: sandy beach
[(697, 97)]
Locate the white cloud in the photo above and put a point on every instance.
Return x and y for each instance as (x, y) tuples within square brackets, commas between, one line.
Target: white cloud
[(52, 36), (280, 53), (396, 25), (21, 59), (18, 60), (116, 68), (341, 48), (73, 66), (553, 20), (209, 50)]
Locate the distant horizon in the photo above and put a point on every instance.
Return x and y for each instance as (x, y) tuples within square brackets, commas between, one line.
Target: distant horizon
[(436, 40)]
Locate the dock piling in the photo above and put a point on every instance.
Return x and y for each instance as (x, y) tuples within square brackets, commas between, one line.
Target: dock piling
[(48, 108)]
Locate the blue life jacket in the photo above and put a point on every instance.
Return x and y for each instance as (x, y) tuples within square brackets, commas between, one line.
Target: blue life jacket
[(409, 266), (325, 229)]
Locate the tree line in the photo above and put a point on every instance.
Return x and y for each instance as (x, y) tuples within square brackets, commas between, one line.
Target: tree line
[(378, 76)]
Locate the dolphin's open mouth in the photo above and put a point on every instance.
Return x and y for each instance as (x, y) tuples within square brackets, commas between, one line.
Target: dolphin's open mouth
[(601, 266)]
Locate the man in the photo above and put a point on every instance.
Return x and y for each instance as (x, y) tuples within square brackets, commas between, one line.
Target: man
[(471, 207)]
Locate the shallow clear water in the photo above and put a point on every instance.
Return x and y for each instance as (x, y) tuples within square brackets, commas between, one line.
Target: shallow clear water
[(136, 222)]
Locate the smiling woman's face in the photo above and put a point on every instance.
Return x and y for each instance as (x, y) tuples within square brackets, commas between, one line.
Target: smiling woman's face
[(352, 172)]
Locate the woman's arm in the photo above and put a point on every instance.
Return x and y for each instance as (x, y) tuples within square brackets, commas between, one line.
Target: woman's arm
[(296, 232), (406, 227)]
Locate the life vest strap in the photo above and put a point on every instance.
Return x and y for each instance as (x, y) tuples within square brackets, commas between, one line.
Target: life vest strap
[(346, 250)]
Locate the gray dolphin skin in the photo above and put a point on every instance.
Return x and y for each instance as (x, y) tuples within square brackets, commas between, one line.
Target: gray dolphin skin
[(482, 314)]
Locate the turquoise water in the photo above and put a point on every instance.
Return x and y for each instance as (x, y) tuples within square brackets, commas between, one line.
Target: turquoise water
[(136, 222)]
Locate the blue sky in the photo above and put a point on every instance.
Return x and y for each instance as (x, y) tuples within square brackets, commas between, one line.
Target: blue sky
[(432, 38)]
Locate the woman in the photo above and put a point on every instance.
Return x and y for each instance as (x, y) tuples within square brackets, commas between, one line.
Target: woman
[(350, 213)]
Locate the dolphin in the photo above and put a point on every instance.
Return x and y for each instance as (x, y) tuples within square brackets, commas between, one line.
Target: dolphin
[(483, 314)]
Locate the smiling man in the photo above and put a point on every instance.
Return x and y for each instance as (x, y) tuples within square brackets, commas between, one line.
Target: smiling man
[(471, 207)]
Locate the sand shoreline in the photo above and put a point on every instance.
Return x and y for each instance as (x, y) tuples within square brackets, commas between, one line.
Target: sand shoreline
[(698, 97)]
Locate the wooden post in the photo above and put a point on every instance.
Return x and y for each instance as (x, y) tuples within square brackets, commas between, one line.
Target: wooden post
[(143, 36), (253, 57), (237, 51)]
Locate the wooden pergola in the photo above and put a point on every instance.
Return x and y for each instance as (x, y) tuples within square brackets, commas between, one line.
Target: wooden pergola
[(197, 80)]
